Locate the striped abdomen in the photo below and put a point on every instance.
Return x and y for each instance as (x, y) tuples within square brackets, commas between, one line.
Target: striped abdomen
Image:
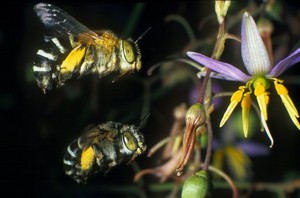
[(79, 161), (47, 64)]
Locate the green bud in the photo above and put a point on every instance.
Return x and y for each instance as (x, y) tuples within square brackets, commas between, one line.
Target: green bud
[(197, 186), (203, 140), (196, 115)]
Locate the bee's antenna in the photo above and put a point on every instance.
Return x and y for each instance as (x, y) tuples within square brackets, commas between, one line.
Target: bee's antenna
[(142, 35), (142, 122)]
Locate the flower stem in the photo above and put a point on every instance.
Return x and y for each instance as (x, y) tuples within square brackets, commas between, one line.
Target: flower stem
[(218, 50), (209, 145), (228, 179)]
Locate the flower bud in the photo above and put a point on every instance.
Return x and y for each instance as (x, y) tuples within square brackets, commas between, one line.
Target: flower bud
[(194, 118), (221, 8), (195, 115), (197, 186)]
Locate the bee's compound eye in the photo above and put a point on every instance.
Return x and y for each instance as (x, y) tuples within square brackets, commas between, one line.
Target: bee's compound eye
[(130, 141), (128, 51)]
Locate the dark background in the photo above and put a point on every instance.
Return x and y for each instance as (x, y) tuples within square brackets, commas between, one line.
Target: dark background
[(37, 127)]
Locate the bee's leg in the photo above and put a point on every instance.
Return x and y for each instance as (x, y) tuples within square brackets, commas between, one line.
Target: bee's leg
[(112, 164), (98, 154), (121, 76), (89, 61), (73, 43), (112, 160)]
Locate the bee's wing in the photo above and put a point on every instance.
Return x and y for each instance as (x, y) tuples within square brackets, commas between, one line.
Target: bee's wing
[(59, 21), (94, 134), (90, 136)]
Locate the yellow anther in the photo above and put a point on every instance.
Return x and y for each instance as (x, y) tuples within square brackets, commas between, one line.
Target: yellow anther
[(262, 99), (246, 103), (259, 89), (234, 100), (237, 96), (218, 158), (288, 103), (238, 160), (267, 98), (281, 90)]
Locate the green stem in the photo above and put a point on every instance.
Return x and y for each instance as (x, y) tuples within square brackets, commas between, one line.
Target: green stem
[(218, 50), (228, 179)]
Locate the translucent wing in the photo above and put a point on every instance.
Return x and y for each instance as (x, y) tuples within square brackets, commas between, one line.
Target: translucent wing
[(93, 134), (59, 21)]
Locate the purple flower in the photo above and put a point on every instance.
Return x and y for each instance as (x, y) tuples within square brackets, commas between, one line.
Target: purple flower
[(259, 77)]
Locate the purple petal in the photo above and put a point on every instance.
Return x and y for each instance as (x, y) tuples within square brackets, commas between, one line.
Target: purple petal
[(216, 75), (225, 69), (254, 53), (253, 149), (286, 63)]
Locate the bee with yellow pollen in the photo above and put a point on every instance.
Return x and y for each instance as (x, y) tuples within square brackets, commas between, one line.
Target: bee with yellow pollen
[(260, 75)]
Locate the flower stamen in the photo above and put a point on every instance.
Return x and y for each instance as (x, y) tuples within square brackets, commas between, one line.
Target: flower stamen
[(288, 103), (234, 100), (246, 103), (262, 98)]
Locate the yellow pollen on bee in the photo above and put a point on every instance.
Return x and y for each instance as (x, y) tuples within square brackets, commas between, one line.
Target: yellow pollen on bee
[(73, 59), (87, 158)]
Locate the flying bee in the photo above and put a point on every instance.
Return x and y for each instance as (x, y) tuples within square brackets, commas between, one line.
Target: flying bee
[(74, 49), (102, 148)]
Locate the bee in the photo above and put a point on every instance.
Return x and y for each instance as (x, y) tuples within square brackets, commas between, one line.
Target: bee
[(102, 148), (73, 49)]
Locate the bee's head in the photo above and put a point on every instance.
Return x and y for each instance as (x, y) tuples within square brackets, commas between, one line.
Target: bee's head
[(133, 140), (131, 56)]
